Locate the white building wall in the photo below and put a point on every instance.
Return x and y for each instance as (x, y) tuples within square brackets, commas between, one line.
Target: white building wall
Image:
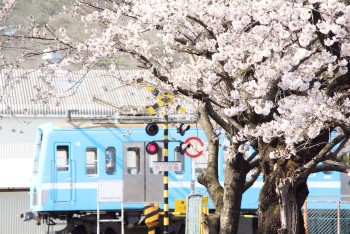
[(16, 150), (16, 160)]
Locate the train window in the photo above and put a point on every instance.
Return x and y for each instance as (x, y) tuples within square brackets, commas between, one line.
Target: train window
[(153, 158), (91, 161), (38, 140), (133, 160), (180, 157), (62, 157), (110, 160)]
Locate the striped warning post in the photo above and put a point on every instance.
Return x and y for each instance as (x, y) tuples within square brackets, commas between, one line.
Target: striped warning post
[(151, 217), (166, 180)]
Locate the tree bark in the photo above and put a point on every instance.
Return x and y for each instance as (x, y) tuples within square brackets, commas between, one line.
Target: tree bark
[(227, 200), (289, 208), (282, 195), (234, 181), (269, 209), (209, 176), (280, 206)]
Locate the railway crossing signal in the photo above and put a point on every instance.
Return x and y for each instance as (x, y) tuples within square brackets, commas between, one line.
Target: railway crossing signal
[(183, 147), (182, 129), (152, 129), (152, 148), (162, 99)]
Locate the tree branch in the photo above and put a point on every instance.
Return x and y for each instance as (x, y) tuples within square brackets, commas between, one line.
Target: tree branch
[(330, 165), (254, 176), (308, 167)]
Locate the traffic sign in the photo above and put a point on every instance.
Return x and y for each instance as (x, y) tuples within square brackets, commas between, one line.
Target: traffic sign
[(196, 147), (167, 166), (163, 98)]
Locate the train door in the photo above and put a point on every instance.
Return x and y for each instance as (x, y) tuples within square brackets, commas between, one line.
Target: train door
[(62, 173), (141, 182)]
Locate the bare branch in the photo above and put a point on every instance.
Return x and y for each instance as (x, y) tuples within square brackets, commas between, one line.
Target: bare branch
[(330, 165), (254, 176), (308, 167)]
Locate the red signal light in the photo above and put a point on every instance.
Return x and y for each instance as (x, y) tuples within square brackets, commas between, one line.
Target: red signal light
[(152, 129), (152, 148)]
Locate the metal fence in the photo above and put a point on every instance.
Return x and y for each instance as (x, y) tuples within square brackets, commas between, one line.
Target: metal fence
[(327, 216)]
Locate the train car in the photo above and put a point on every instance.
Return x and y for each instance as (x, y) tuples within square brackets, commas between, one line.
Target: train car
[(72, 160)]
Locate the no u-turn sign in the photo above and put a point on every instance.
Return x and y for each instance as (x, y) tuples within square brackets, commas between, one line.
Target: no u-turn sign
[(195, 148)]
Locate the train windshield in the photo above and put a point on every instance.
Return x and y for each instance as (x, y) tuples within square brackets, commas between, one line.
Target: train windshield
[(38, 141)]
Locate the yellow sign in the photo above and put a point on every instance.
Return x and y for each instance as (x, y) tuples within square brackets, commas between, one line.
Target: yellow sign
[(163, 99), (180, 205)]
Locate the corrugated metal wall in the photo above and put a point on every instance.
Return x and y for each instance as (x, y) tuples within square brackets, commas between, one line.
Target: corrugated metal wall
[(12, 204)]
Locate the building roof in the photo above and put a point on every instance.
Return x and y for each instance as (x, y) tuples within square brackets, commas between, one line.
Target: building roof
[(94, 93)]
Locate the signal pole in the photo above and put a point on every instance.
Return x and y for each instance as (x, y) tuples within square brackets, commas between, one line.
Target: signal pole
[(166, 179)]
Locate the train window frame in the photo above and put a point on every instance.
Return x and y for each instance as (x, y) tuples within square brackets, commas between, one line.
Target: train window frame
[(136, 168), (110, 160), (62, 158), (91, 165), (177, 155)]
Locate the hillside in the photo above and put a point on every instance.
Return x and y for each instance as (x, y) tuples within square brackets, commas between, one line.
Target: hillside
[(47, 12)]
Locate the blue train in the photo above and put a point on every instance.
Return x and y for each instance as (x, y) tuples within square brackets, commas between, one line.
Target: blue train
[(74, 161)]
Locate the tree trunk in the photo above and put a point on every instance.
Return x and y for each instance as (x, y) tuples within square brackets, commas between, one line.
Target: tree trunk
[(292, 197), (289, 207), (213, 223), (269, 209), (280, 206), (227, 200), (234, 181), (281, 197), (209, 176)]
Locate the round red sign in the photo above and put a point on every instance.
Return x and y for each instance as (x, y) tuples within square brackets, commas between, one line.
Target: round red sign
[(196, 146)]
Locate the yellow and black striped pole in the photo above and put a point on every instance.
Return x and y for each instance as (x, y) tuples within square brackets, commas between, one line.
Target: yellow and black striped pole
[(151, 217), (166, 180)]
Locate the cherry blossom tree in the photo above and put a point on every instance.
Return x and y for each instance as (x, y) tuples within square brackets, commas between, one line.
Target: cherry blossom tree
[(272, 74), (6, 6)]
